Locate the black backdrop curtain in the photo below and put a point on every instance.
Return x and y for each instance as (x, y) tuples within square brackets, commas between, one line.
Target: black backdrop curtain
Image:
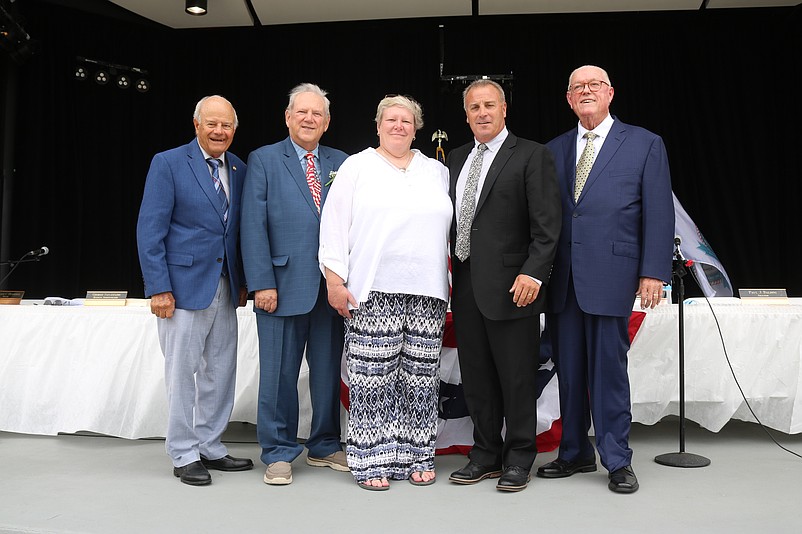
[(718, 85)]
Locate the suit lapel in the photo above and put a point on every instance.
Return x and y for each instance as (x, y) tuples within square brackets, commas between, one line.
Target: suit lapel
[(293, 165), (608, 150), (456, 161), (326, 167), (569, 156), (233, 185), (504, 154), (200, 169)]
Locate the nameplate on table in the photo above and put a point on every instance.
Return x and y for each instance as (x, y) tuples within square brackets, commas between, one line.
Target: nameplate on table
[(105, 298), (763, 296), (11, 297)]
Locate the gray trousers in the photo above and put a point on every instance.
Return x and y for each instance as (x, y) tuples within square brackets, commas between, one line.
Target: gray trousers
[(200, 365)]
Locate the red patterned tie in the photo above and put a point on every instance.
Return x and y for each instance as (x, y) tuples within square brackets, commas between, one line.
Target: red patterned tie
[(311, 179)]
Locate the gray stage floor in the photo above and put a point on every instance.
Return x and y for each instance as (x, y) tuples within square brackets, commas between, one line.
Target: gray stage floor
[(96, 484)]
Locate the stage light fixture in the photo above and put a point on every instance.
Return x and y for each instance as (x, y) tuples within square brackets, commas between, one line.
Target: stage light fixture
[(142, 85), (102, 77), (123, 81), (196, 7), (80, 73)]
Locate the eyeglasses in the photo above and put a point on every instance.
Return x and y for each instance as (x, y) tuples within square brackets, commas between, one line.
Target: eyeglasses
[(227, 126), (594, 86)]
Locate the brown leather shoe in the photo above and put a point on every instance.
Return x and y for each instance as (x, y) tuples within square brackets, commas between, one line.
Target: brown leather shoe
[(335, 460)]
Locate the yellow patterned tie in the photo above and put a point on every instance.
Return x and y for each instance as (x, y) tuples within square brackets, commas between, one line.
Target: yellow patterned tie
[(584, 165)]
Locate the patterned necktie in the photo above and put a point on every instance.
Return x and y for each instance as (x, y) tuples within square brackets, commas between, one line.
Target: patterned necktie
[(463, 247), (311, 179), (218, 186), (584, 164)]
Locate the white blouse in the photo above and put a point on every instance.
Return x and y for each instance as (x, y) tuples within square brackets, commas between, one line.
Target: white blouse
[(384, 229)]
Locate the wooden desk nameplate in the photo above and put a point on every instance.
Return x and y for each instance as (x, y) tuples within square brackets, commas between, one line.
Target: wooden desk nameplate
[(11, 297), (105, 298), (763, 296)]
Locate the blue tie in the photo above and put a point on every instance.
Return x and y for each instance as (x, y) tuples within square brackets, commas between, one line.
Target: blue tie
[(218, 186)]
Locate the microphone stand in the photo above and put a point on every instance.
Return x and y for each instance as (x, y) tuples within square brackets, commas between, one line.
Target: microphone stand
[(681, 458), (15, 264)]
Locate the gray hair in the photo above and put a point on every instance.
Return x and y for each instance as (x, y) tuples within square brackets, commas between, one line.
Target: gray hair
[(308, 88), (604, 73), (481, 83), (203, 100), (406, 102)]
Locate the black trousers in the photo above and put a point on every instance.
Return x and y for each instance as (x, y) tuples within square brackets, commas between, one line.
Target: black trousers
[(498, 363)]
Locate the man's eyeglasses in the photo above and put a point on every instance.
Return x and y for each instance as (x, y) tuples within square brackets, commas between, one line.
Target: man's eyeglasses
[(227, 126), (594, 86)]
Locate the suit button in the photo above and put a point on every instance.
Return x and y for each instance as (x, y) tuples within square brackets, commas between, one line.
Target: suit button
[(219, 260), (575, 215)]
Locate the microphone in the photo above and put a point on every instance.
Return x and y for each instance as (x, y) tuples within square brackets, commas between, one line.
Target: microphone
[(43, 251), (677, 251)]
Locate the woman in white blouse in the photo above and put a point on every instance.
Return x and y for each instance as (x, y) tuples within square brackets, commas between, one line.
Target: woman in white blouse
[(384, 251)]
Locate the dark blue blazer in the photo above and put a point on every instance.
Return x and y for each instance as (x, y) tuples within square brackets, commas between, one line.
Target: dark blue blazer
[(181, 236), (622, 226), (281, 225)]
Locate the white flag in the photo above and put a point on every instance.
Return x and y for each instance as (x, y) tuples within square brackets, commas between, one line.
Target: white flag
[(710, 274)]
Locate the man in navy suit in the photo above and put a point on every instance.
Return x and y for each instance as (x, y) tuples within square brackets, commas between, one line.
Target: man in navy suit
[(503, 238), (285, 189), (187, 238), (616, 243)]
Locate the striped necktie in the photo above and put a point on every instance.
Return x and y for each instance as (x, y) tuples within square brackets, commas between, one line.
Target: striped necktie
[(218, 186)]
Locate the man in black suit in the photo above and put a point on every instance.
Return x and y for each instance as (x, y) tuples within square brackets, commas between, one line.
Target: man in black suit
[(503, 238)]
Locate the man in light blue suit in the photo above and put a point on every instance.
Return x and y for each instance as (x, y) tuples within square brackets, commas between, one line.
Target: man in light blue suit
[(285, 189), (187, 238), (616, 243)]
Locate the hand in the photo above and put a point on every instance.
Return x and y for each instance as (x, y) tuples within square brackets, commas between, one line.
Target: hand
[(650, 291), (266, 299), (243, 296), (162, 305), (524, 290), (339, 298)]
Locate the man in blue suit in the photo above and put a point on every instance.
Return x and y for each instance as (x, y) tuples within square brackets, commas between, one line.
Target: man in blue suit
[(616, 243), (285, 189), (187, 238)]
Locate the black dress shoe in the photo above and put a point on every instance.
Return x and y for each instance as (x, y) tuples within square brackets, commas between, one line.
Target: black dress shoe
[(474, 472), (623, 480), (228, 463), (559, 468), (515, 478), (193, 474)]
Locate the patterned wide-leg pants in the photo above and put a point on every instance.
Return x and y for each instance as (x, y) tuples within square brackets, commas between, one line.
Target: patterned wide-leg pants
[(393, 342)]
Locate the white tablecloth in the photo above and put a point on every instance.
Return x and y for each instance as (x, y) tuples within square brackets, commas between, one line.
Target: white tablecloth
[(764, 344), (100, 369)]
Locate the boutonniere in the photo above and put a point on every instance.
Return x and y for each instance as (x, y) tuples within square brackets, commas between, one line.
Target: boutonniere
[(332, 176)]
